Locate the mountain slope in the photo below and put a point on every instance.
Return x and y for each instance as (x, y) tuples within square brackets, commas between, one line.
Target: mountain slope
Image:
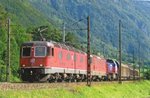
[(22, 12), (105, 15)]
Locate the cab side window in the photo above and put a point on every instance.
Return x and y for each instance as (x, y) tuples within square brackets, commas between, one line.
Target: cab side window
[(48, 51), (52, 51)]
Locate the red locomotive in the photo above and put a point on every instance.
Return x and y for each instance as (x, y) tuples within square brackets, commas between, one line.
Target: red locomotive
[(42, 60), (51, 61)]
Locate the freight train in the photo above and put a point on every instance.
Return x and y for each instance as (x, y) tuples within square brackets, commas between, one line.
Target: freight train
[(53, 62)]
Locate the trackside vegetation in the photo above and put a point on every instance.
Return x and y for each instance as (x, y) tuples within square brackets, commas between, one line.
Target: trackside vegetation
[(138, 89)]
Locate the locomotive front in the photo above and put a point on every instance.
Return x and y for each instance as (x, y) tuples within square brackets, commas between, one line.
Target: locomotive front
[(112, 69), (34, 59)]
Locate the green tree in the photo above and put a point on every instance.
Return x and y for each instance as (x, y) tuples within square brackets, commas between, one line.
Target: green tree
[(72, 39), (49, 34), (147, 73)]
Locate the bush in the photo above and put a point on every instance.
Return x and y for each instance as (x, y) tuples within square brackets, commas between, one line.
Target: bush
[(147, 75)]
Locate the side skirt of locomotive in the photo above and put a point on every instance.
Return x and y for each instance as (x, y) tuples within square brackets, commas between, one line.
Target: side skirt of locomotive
[(55, 74)]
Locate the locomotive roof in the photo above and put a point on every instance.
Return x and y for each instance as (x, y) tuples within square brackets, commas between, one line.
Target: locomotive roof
[(125, 65), (38, 43), (67, 47), (98, 57), (52, 43)]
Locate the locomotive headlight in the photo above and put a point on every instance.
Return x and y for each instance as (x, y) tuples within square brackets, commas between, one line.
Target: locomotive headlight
[(23, 65), (41, 65)]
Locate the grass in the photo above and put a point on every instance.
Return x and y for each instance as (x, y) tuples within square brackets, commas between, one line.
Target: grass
[(125, 90)]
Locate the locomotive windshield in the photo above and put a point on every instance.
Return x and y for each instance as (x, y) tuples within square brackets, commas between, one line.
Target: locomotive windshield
[(26, 51), (40, 51)]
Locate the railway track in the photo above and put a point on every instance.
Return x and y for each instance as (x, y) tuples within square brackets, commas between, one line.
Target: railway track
[(31, 86)]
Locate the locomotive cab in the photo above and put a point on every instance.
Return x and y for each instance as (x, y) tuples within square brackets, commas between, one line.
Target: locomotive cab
[(112, 69), (35, 55), (34, 58), (116, 69)]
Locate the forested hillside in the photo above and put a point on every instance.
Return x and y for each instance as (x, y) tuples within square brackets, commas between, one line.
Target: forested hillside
[(105, 15), (27, 15)]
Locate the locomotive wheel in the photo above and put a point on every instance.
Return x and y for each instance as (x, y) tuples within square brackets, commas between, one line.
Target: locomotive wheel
[(51, 79), (30, 80)]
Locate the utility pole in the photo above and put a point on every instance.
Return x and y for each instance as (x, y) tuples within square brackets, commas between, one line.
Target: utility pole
[(143, 68), (133, 66), (8, 52), (88, 53), (64, 33), (120, 56), (103, 49), (139, 61)]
